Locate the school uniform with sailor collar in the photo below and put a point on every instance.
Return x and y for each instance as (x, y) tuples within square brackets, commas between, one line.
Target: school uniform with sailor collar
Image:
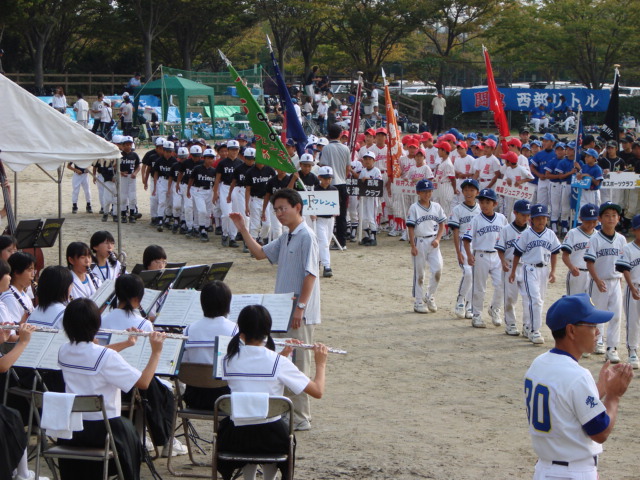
[(49, 317), (17, 304), (86, 289)]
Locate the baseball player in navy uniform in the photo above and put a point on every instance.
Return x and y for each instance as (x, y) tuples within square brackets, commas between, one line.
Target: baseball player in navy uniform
[(574, 246), (80, 179), (186, 168), (537, 249), (484, 231), (200, 189), (629, 265), (129, 169), (425, 223), (221, 188), (505, 247), (459, 221), (161, 173), (591, 169), (604, 250), (568, 414)]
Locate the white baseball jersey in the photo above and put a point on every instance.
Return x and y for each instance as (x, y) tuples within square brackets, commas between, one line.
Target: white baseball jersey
[(630, 261), (374, 173), (364, 149), (444, 171), (464, 165), (507, 241), (356, 166), (537, 247), (484, 231), (605, 253), (516, 174), (524, 162), (461, 216), (486, 167), (416, 173), (431, 157), (405, 164), (575, 244), (381, 157), (425, 220), (561, 397)]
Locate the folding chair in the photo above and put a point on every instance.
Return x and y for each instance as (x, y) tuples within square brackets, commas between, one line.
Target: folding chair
[(196, 375), (82, 403), (277, 406)]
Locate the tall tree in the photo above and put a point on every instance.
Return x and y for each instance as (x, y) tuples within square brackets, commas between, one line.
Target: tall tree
[(280, 15), (311, 25)]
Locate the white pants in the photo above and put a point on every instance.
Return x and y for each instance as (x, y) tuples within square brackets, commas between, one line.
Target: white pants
[(539, 122), (187, 207), (569, 124), (547, 471), (631, 202), (611, 300), (99, 183), (466, 282), (352, 211), (176, 200), (78, 181), (427, 255), (387, 198), (544, 196), (162, 191), (228, 227), (444, 196), (257, 228), (238, 203), (632, 312), (534, 288), (511, 291), (275, 227), (201, 197), (153, 202), (487, 264), (324, 232), (590, 196), (127, 193), (577, 284), (369, 212), (108, 202), (560, 197)]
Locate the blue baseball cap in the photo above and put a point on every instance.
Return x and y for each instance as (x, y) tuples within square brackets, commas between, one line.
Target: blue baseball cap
[(635, 222), (470, 182), (589, 212), (539, 210), (537, 142), (491, 136), (592, 152), (527, 146), (560, 145), (522, 206), (424, 185), (572, 309), (488, 194), (572, 144), (475, 143), (472, 135), (610, 206), (549, 136)]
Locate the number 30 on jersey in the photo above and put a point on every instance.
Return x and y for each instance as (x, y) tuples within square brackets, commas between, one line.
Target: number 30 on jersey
[(537, 400)]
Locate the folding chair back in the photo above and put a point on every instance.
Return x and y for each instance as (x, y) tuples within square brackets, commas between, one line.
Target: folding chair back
[(199, 375)]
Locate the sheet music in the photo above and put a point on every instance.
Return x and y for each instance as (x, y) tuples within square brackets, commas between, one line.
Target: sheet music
[(169, 357), (49, 360), (238, 302), (149, 299), (104, 292), (36, 347), (222, 343), (280, 306), (176, 306), (130, 354), (195, 312)]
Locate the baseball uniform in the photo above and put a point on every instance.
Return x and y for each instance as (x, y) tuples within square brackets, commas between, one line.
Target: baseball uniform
[(575, 244), (444, 192), (506, 244), (630, 261), (460, 219), (486, 168)]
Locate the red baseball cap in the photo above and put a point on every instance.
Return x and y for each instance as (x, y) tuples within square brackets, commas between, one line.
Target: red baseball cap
[(462, 145), (370, 131), (345, 133), (421, 152), (449, 137), (360, 138), (446, 146), (406, 139), (426, 136), (510, 157), (413, 143), (515, 142), (381, 130), (489, 143)]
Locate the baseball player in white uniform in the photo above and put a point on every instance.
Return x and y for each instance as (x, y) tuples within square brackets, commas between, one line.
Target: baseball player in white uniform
[(604, 250), (459, 222), (505, 247), (537, 249), (380, 151), (445, 177), (484, 231), (629, 265), (514, 175), (569, 416), (353, 204), (573, 247), (487, 167), (369, 204), (464, 169), (425, 223)]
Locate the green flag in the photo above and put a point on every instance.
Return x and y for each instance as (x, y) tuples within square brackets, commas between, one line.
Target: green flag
[(269, 148)]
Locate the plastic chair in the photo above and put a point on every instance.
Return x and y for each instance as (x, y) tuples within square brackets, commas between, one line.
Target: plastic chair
[(196, 375), (277, 406), (82, 403)]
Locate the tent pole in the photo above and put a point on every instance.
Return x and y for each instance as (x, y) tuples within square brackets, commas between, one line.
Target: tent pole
[(15, 195), (59, 182), (118, 212)]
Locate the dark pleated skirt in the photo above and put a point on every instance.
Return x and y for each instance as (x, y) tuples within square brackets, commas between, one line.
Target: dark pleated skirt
[(127, 443), (265, 438), (13, 441), (203, 398), (158, 404)]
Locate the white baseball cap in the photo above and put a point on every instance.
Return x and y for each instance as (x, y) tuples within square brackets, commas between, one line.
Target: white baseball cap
[(117, 139), (233, 144), (369, 153), (127, 139), (107, 101), (160, 142), (209, 152), (324, 141), (196, 150), (168, 145), (250, 152), (325, 171), (312, 139), (307, 158), (183, 152)]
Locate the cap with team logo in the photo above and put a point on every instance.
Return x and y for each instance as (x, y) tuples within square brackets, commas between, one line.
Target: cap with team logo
[(526, 146), (325, 171), (424, 185), (426, 136), (233, 144), (472, 135), (539, 210), (183, 152), (209, 152), (489, 194), (470, 182), (290, 142), (510, 157), (195, 150), (312, 139), (592, 152), (612, 144), (421, 151), (370, 131), (572, 145), (572, 309), (549, 136), (560, 145), (610, 206), (307, 158), (461, 144), (167, 145), (444, 145), (241, 136), (449, 137), (476, 143), (522, 206), (588, 212), (369, 153), (489, 143), (249, 152), (159, 142), (635, 222), (324, 141)]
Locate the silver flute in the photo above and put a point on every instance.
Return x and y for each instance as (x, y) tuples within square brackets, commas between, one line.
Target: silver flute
[(113, 332), (306, 346)]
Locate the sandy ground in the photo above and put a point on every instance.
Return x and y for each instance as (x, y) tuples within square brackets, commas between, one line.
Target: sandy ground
[(418, 396)]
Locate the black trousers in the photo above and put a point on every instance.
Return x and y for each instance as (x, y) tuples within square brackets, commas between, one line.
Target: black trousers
[(341, 220), (13, 441), (437, 123)]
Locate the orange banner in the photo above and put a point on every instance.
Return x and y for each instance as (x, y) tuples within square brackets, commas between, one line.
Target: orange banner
[(393, 137)]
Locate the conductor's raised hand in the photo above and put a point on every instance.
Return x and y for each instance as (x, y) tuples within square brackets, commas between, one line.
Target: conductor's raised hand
[(156, 339), (321, 352)]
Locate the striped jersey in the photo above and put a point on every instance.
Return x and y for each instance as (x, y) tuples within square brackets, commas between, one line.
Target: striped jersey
[(536, 247), (575, 244), (605, 253), (484, 231), (425, 220)]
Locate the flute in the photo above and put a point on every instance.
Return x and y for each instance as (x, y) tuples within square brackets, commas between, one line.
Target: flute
[(114, 332), (307, 346)]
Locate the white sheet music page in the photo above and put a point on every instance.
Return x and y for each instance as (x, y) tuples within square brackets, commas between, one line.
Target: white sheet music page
[(104, 292), (49, 360), (149, 299), (176, 306), (130, 354), (239, 301), (280, 306), (222, 343), (171, 350), (35, 349)]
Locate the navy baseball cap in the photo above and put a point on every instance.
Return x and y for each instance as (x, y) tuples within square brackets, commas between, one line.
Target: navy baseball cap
[(549, 136), (572, 309), (471, 182), (539, 210), (592, 152), (290, 142), (589, 212), (488, 194), (635, 222), (522, 206), (610, 206), (424, 185)]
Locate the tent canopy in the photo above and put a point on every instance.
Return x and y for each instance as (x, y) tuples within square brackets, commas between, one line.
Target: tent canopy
[(34, 133), (178, 86)]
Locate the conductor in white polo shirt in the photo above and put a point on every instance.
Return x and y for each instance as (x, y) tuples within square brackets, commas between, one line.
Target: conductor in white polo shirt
[(297, 257)]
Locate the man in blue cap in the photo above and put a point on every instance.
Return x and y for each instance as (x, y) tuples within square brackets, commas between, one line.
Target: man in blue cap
[(569, 415)]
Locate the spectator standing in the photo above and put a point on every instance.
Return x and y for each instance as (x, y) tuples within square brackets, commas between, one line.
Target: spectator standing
[(126, 115), (96, 112), (438, 105), (81, 107), (134, 82), (310, 81), (59, 101)]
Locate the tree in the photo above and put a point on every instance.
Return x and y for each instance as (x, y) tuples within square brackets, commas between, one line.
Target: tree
[(310, 28), (279, 14)]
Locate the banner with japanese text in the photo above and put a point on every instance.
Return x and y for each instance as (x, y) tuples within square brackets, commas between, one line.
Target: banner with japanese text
[(524, 99)]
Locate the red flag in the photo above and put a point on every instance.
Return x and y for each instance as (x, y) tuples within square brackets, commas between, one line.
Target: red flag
[(495, 105), (283, 132), (393, 135)]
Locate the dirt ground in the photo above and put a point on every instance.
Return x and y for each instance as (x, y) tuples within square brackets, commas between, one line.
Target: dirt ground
[(418, 396)]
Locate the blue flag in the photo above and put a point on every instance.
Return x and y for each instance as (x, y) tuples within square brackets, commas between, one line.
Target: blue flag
[(294, 128)]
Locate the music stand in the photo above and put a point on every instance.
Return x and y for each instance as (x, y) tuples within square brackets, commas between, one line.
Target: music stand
[(140, 267), (38, 233), (167, 277), (150, 278), (217, 271), (190, 277)]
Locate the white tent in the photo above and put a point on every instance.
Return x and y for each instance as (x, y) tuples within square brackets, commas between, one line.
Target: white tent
[(33, 133)]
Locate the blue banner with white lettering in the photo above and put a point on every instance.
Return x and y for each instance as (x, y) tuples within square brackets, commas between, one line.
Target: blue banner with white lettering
[(524, 99)]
